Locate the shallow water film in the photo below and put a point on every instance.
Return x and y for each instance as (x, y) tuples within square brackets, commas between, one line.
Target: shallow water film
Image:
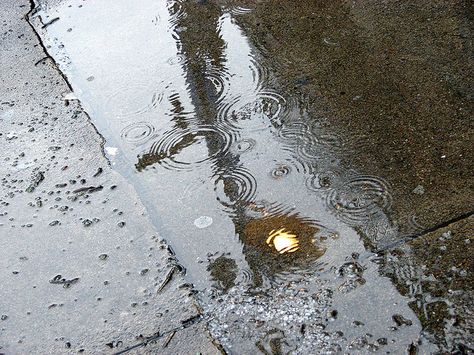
[(309, 163)]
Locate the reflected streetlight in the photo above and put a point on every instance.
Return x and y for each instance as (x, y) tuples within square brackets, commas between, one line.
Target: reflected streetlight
[(283, 241)]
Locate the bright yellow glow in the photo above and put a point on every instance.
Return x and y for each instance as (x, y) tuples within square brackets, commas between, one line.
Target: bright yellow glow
[(283, 241)]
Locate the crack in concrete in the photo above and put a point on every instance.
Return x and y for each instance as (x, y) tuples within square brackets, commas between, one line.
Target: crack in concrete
[(171, 333), (441, 225), (34, 9)]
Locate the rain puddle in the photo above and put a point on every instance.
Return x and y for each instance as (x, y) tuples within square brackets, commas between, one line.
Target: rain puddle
[(241, 170)]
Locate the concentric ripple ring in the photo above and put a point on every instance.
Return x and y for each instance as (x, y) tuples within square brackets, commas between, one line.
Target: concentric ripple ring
[(359, 199), (235, 187), (259, 110), (134, 100), (167, 151), (138, 133)]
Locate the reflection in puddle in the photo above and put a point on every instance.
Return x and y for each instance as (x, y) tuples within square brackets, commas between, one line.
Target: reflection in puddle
[(257, 111), (224, 272), (438, 286), (235, 187), (359, 199), (243, 145), (283, 233), (170, 150), (280, 171), (134, 100), (322, 181), (138, 133), (283, 241), (208, 147), (177, 12)]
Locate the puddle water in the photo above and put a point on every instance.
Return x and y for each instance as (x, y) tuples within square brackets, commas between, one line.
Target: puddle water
[(241, 170)]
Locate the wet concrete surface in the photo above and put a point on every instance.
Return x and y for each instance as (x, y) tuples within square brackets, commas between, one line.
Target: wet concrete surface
[(310, 166), (81, 264), (435, 272)]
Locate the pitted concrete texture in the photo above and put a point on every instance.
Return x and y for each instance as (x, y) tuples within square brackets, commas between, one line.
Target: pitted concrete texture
[(435, 272)]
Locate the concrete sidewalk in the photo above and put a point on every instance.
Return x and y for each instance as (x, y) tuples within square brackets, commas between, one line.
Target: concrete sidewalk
[(375, 137), (82, 267)]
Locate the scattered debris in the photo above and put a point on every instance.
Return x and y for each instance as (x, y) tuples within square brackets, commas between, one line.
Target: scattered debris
[(419, 190), (88, 189), (167, 279), (99, 171), (168, 339), (59, 280)]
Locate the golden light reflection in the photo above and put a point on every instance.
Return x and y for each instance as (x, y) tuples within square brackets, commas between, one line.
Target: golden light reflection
[(283, 238), (283, 241)]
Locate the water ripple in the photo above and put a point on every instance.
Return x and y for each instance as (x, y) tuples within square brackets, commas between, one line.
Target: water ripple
[(294, 131), (243, 145), (359, 199), (263, 208), (280, 171), (170, 150), (220, 80), (260, 73), (177, 12), (246, 276), (322, 181), (138, 133), (330, 139), (177, 59), (237, 186), (178, 111), (414, 225), (260, 111), (238, 10), (308, 151)]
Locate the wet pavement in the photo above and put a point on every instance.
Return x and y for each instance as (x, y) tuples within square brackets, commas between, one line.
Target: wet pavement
[(311, 168), (82, 267)]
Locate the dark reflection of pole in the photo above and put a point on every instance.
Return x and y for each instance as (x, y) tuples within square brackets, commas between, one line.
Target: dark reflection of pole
[(201, 44), (198, 38)]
